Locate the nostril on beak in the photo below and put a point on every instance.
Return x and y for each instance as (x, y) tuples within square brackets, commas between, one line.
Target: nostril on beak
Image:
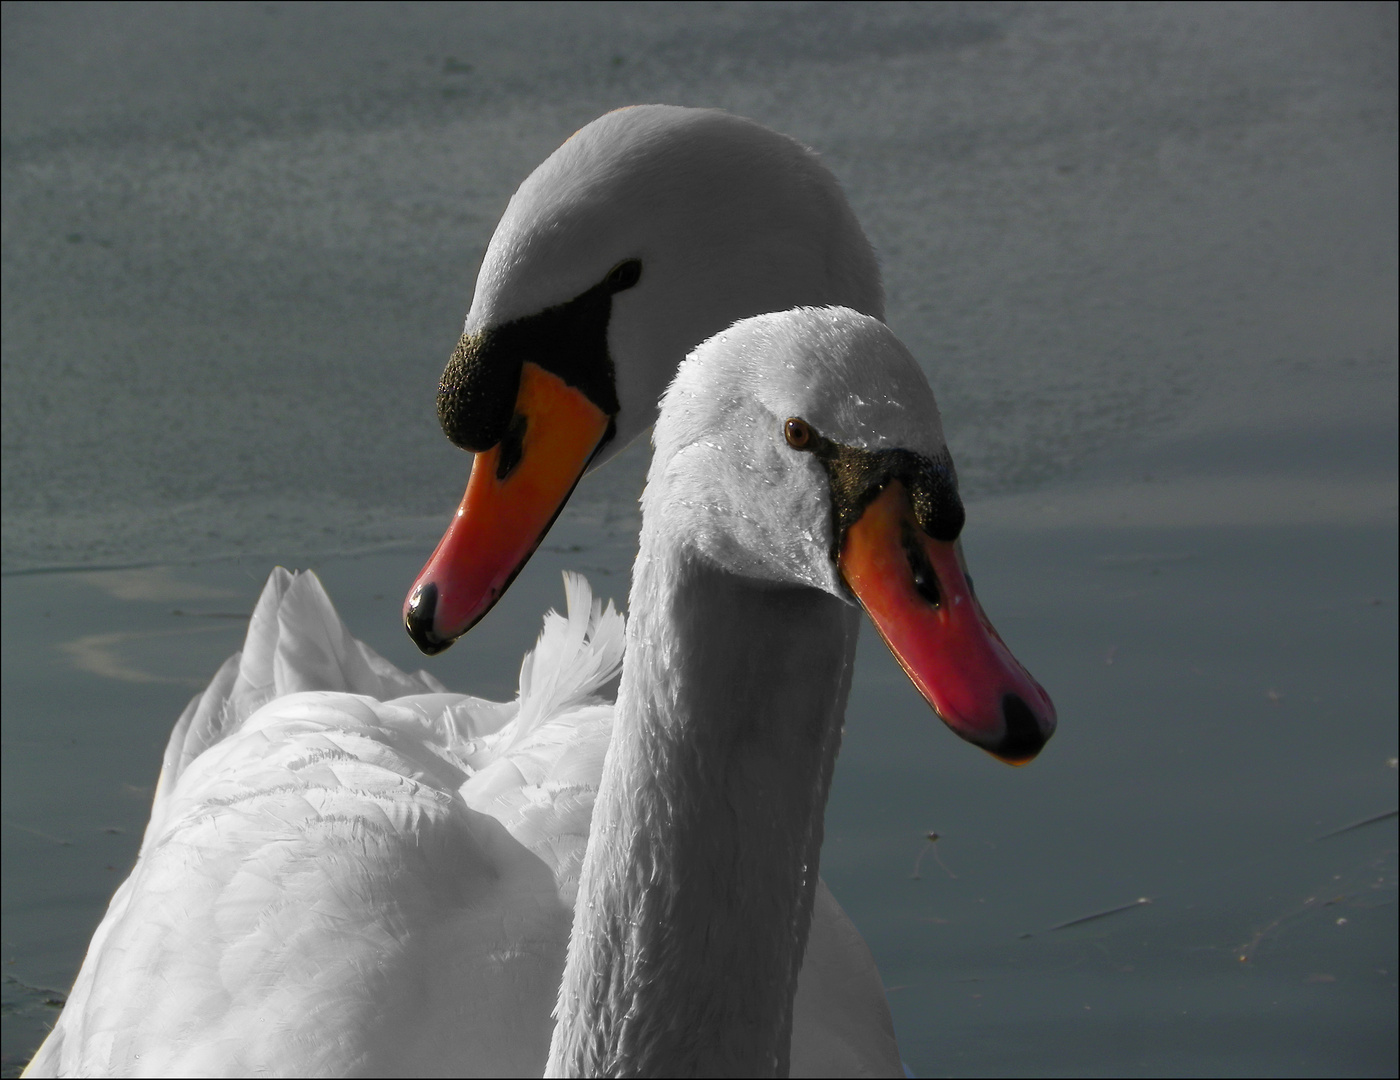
[(1023, 738), (921, 570), (418, 620)]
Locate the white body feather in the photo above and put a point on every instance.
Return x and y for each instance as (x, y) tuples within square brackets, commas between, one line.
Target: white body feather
[(350, 871)]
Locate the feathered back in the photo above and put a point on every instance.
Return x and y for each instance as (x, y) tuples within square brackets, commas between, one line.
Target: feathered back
[(575, 656), (295, 642), (539, 776)]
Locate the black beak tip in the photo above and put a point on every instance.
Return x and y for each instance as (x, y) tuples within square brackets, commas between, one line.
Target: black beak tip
[(418, 621), (1024, 736)]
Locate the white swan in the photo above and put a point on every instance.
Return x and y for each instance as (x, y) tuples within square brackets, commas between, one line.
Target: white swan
[(338, 883), (799, 467), (648, 231)]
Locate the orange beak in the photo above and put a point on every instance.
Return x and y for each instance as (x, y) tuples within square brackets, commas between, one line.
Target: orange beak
[(515, 492), (917, 594)]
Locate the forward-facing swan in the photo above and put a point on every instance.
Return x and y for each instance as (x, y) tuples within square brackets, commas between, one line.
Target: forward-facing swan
[(799, 468), (337, 883)]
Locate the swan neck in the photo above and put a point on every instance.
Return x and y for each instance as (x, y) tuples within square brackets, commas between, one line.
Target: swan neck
[(697, 887)]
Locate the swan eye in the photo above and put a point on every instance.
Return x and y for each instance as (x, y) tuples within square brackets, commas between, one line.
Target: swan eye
[(797, 433), (624, 275)]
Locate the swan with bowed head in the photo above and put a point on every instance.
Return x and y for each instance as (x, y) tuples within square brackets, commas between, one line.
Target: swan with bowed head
[(648, 231)]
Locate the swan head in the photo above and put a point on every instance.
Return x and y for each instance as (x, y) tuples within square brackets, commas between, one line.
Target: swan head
[(805, 448), (648, 231)]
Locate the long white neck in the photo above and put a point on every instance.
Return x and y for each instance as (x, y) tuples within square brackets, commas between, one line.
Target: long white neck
[(696, 891)]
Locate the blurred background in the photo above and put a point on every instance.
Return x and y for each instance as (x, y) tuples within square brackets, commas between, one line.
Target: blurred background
[(1147, 256)]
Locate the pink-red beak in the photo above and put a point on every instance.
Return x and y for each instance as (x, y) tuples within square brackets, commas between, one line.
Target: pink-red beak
[(917, 594)]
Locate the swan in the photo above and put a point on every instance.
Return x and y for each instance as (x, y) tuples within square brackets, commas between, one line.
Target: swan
[(799, 475), (649, 230), (379, 880)]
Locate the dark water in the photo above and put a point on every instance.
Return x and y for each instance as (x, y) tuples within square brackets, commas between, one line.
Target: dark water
[(1148, 254)]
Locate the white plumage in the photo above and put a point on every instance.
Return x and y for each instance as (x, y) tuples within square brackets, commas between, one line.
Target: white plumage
[(351, 871)]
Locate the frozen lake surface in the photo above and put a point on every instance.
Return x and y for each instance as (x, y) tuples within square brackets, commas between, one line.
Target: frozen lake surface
[(1147, 255)]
